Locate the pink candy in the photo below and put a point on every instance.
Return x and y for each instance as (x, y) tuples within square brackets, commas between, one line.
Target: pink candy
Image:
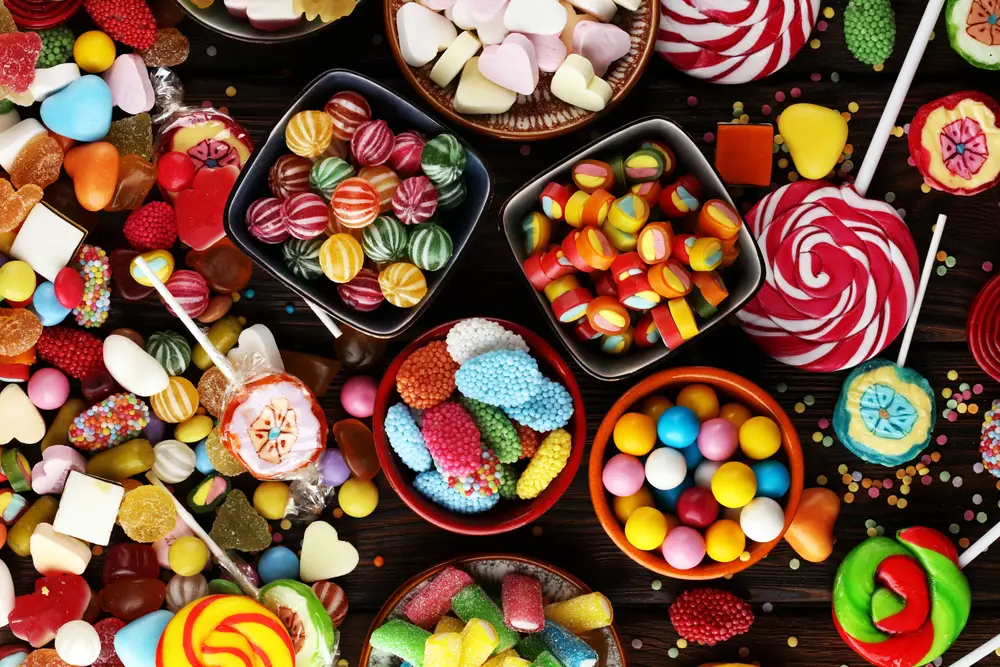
[(623, 475), (348, 111), (452, 439), (433, 601), (372, 143), (363, 293), (266, 221), (415, 200), (521, 597), (307, 215), (405, 158), (190, 290)]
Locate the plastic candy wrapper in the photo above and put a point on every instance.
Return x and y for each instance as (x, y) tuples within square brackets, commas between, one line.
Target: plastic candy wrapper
[(168, 91)]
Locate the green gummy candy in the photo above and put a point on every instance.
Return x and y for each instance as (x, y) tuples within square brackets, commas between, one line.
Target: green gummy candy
[(530, 647), (545, 659), (473, 602), (402, 639)]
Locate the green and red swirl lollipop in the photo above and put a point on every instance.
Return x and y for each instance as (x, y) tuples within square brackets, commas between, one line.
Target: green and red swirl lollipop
[(902, 602)]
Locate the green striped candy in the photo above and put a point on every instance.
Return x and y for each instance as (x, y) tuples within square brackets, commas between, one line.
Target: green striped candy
[(384, 240), (302, 257), (429, 247), (443, 160), (171, 350), (452, 195), (327, 174)]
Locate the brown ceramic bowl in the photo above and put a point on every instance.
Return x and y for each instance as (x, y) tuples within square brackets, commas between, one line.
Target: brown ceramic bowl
[(540, 116), (488, 570), (729, 387)]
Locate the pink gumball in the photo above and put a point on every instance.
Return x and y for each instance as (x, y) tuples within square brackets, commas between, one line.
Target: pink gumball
[(684, 548), (697, 507), (623, 475), (48, 389), (358, 396), (717, 439)]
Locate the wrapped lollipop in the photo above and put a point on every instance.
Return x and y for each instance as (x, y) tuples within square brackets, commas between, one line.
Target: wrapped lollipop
[(885, 413)]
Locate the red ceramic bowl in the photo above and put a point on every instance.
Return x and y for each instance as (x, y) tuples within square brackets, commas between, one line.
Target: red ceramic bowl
[(563, 585), (508, 514), (729, 387)]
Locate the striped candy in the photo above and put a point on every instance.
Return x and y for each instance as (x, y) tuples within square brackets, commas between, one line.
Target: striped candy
[(333, 598), (328, 173), (405, 158), (190, 290), (266, 221), (385, 181), (443, 159), (177, 402), (171, 350), (452, 195), (363, 293), (372, 143), (403, 284), (289, 174), (341, 258), (302, 257), (307, 215), (355, 203), (429, 247), (384, 240), (347, 110), (309, 133), (415, 200)]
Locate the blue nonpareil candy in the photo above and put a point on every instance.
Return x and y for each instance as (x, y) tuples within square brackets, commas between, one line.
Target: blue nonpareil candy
[(568, 649), (503, 378), (406, 439), (432, 485), (549, 409)]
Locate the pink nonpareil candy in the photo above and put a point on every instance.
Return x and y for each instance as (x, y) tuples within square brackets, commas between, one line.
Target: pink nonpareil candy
[(521, 597), (128, 79), (433, 601), (550, 51), (601, 44), (511, 65)]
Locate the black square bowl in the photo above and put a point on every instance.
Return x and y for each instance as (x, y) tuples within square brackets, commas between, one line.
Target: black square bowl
[(388, 321)]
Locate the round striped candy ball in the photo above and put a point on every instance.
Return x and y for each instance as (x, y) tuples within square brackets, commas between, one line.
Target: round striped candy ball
[(309, 133), (266, 221), (405, 158), (385, 181), (307, 215), (384, 240), (355, 203), (348, 110), (372, 143), (443, 159), (363, 293), (429, 246), (341, 257), (302, 257), (403, 284), (327, 174), (171, 350), (190, 290), (289, 174), (415, 200), (177, 402), (452, 195)]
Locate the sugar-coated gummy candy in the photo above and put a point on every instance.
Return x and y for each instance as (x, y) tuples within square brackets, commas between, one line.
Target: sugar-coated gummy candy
[(435, 488), (550, 408), (147, 513), (521, 597), (478, 640), (406, 439), (133, 136), (497, 431), (568, 649), (212, 386), (384, 240), (38, 162), (443, 650), (20, 53), (473, 602), (429, 246), (530, 647), (502, 378), (401, 639), (545, 465), (452, 439), (224, 462), (238, 526), (433, 600), (14, 206), (582, 613), (443, 159), (403, 284)]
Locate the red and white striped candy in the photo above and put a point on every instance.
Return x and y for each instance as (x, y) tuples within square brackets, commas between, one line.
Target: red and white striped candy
[(405, 158), (733, 41), (415, 200), (348, 110), (266, 221), (306, 214), (355, 203), (372, 143), (289, 174), (333, 598), (840, 276)]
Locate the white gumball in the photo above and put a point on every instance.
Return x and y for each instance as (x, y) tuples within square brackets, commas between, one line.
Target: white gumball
[(705, 471), (665, 468), (762, 519), (78, 643)]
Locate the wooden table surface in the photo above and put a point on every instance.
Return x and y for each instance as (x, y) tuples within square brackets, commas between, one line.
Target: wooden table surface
[(486, 283)]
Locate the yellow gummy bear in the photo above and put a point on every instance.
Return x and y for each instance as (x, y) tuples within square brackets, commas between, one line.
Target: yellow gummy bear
[(545, 465), (327, 10)]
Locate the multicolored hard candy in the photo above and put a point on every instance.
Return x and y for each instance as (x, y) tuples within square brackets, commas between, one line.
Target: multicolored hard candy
[(355, 203), (443, 159), (403, 284), (306, 215), (190, 290), (405, 158), (266, 220), (385, 181), (348, 110), (289, 174), (171, 350), (415, 200), (363, 292), (372, 143), (328, 173), (429, 247)]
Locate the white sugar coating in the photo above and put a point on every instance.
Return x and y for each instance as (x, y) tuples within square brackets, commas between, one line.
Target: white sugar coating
[(475, 336), (489, 573)]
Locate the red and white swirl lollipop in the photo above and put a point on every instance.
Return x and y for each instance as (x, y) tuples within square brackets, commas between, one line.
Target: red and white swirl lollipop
[(840, 276), (733, 41)]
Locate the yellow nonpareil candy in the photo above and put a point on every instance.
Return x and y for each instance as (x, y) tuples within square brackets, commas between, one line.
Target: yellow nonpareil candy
[(815, 137), (443, 650), (479, 640)]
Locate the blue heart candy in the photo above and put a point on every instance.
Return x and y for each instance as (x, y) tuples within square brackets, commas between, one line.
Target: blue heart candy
[(81, 111), (47, 306)]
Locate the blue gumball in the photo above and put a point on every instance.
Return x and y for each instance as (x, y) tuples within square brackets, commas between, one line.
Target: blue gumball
[(201, 460), (678, 427), (772, 478), (667, 500), (45, 304), (278, 563), (693, 456)]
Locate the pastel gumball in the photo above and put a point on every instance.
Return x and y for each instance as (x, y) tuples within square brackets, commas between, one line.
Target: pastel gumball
[(53, 552), (576, 84), (684, 548), (492, 31), (511, 65), (81, 111), (49, 475), (49, 80), (484, 10), (48, 389), (358, 396), (478, 95), (451, 62), (78, 644), (461, 15), (602, 10), (15, 138), (128, 79), (601, 44), (422, 33), (539, 17), (550, 52), (623, 475)]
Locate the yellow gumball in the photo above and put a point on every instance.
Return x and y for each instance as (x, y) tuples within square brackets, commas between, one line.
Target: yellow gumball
[(701, 399), (358, 497), (187, 556), (635, 434), (646, 528), (270, 499), (625, 505), (17, 281), (734, 484), (94, 51), (736, 413), (654, 406), (760, 437), (724, 541)]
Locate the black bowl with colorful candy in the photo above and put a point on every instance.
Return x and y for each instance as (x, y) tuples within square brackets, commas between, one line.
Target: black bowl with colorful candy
[(632, 246), (298, 171)]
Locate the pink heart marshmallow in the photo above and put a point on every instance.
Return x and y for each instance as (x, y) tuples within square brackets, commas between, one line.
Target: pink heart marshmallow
[(601, 44), (49, 475), (511, 65), (128, 80), (484, 10), (550, 51)]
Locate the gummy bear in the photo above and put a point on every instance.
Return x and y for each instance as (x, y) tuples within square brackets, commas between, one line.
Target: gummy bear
[(128, 599), (15, 206), (358, 447), (130, 561), (18, 53), (238, 526), (223, 266), (316, 372), (327, 10), (38, 163), (122, 282), (132, 135), (200, 208), (57, 600), (136, 176), (94, 170), (147, 513)]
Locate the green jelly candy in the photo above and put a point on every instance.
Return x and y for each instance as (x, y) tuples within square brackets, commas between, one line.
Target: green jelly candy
[(473, 602), (305, 617), (16, 468), (401, 639)]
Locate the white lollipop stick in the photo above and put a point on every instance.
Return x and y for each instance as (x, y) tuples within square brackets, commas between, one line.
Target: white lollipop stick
[(925, 276), (217, 357), (898, 96), (978, 654), (324, 317), (979, 546)]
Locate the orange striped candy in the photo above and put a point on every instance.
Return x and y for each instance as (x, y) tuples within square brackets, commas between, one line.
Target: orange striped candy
[(385, 181), (355, 203), (341, 258), (309, 133), (403, 284)]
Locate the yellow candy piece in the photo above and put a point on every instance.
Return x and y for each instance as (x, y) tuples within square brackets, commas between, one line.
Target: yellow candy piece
[(736, 413), (17, 281), (177, 402), (582, 613), (646, 528), (624, 505), (94, 51), (724, 541), (58, 432), (341, 258), (620, 239), (326, 10), (224, 334), (479, 640), (358, 498), (734, 484), (448, 624), (162, 263), (128, 460), (147, 513), (270, 499), (705, 254), (402, 283), (545, 465), (194, 429), (629, 214), (701, 400), (42, 511), (635, 434), (187, 556), (515, 661), (309, 133), (498, 659), (815, 137), (443, 650), (760, 437)]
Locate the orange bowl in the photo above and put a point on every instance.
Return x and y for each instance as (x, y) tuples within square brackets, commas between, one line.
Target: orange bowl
[(730, 387), (508, 514), (487, 570)]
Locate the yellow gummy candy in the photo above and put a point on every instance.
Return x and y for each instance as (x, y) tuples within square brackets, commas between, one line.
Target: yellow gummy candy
[(224, 334), (443, 650), (479, 640), (326, 10), (128, 460), (43, 511), (545, 465), (498, 659), (582, 613), (448, 624)]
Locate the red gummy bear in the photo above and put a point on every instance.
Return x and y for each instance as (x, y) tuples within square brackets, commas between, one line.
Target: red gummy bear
[(199, 209), (56, 601), (18, 55)]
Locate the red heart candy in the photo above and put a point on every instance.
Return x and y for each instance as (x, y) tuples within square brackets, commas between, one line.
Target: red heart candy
[(200, 208), (56, 601)]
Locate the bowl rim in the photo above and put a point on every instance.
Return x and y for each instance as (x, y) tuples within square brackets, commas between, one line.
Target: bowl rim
[(264, 37), (738, 388), (452, 521), (404, 589), (528, 135)]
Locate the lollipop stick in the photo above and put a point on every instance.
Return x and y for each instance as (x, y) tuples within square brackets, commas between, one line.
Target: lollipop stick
[(978, 654), (221, 557), (898, 96), (217, 357), (979, 546), (324, 317), (925, 276)]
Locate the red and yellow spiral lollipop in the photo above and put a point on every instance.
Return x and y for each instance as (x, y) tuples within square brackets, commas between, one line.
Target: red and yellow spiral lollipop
[(225, 631)]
